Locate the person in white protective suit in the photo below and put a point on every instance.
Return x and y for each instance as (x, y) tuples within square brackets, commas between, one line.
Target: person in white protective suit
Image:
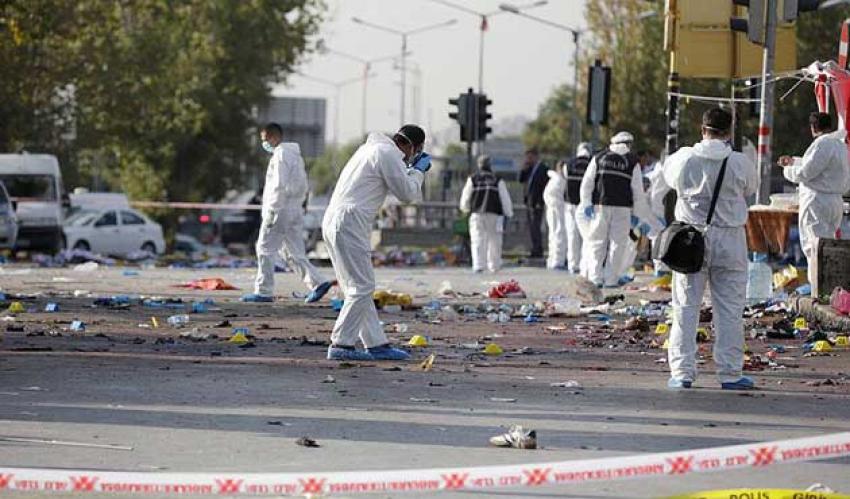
[(282, 219), (659, 198), (553, 199), (823, 175), (381, 166), (612, 202), (693, 173), (486, 198), (574, 173)]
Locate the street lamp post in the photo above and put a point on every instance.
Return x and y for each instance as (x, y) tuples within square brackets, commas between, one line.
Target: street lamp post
[(482, 29), (337, 86), (404, 35), (367, 66), (576, 122), (513, 9)]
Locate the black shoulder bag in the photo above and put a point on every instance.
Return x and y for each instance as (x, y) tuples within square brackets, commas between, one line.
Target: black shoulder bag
[(681, 246)]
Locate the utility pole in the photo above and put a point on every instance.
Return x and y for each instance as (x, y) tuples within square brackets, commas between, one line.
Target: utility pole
[(672, 113), (403, 75), (576, 122), (765, 132)]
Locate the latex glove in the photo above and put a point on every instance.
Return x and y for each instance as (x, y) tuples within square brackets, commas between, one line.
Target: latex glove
[(422, 163), (635, 221), (644, 229), (588, 211)]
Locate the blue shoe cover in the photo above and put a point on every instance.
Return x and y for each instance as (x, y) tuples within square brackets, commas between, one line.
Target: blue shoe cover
[(318, 292), (743, 383), (256, 298), (340, 353), (387, 352)]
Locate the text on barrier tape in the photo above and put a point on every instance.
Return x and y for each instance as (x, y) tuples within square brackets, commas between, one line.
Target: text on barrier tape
[(761, 494), (680, 463)]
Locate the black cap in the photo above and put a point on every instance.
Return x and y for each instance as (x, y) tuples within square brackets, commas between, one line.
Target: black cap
[(717, 119), (413, 134)]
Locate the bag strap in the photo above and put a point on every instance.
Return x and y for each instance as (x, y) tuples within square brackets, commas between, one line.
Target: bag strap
[(716, 191)]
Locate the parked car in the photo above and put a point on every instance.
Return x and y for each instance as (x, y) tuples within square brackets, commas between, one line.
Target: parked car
[(239, 228), (8, 220), (191, 247), (113, 232), (34, 181)]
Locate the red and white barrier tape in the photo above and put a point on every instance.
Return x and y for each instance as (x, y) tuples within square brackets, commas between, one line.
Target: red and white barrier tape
[(681, 463)]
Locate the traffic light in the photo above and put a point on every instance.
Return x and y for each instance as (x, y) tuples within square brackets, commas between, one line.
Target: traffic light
[(481, 128), (792, 8), (753, 25), (462, 115), (599, 93)]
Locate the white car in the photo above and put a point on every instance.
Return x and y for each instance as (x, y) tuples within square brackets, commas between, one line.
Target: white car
[(119, 231)]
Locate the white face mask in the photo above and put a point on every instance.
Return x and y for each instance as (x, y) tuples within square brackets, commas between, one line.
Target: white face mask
[(417, 153), (268, 147)]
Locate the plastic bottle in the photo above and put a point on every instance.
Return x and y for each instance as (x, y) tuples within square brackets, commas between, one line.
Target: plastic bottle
[(759, 282), (178, 320)]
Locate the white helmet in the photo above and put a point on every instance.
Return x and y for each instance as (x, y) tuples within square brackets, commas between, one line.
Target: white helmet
[(622, 138)]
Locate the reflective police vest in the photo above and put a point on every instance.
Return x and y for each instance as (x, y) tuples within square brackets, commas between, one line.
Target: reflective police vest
[(485, 194), (613, 183), (575, 172)]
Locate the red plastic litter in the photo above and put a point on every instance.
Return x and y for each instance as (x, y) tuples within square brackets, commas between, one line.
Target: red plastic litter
[(210, 284), (509, 289), (840, 301)]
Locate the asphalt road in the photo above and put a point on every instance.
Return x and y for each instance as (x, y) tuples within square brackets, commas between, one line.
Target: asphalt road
[(183, 405)]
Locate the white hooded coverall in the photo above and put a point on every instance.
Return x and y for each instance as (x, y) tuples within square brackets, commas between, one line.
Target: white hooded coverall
[(282, 227), (486, 230), (607, 232), (376, 169), (572, 216), (824, 176), (692, 172), (553, 198)]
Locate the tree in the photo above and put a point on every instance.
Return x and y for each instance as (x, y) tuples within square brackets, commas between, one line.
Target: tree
[(632, 44), (324, 170), (155, 97), (624, 36), (550, 132)]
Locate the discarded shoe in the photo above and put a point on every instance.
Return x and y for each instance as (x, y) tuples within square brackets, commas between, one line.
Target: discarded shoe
[(516, 437), (677, 384), (256, 298), (347, 353), (742, 383), (318, 292), (387, 352)]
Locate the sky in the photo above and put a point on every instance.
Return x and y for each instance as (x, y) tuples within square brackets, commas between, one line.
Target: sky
[(523, 61)]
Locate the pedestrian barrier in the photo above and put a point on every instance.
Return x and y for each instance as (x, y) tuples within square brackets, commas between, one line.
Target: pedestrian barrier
[(564, 473)]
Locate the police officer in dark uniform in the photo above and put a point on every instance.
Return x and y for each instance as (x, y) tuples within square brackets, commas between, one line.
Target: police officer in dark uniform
[(611, 199), (574, 172), (486, 198)]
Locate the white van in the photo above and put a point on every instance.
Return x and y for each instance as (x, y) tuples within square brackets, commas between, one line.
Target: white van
[(34, 182)]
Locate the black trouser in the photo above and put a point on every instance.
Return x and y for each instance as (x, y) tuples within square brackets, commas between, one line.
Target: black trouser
[(535, 222)]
